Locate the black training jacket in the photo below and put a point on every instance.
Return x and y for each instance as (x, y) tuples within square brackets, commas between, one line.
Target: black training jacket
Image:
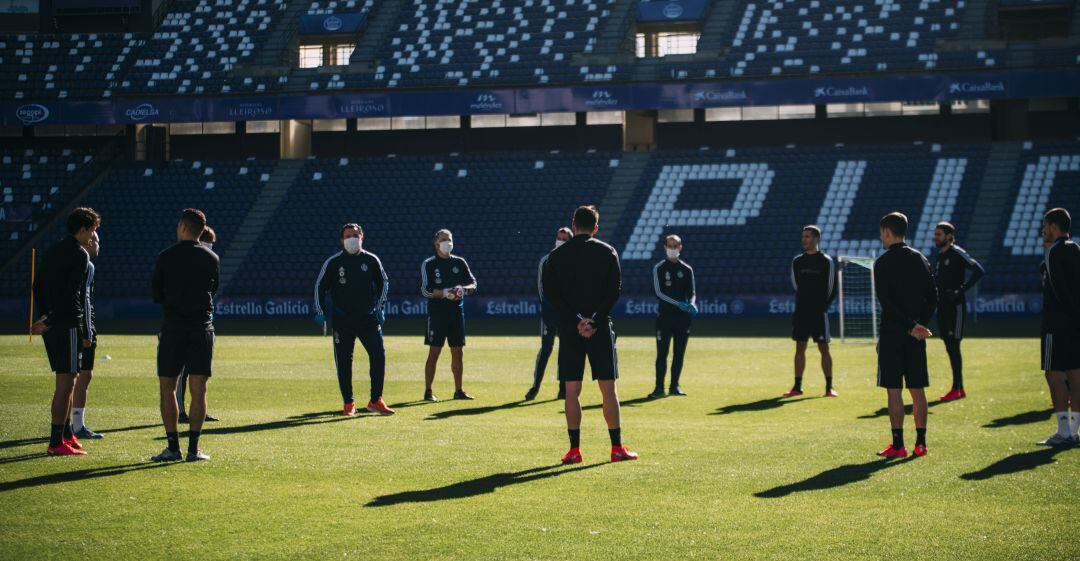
[(58, 287), (1061, 288), (185, 282), (905, 287), (357, 286), (582, 277)]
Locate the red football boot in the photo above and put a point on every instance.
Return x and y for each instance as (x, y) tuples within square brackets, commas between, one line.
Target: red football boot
[(622, 454), (64, 450), (792, 393), (379, 406), (350, 409), (920, 450), (572, 457), (953, 395), (893, 453), (831, 393), (73, 442)]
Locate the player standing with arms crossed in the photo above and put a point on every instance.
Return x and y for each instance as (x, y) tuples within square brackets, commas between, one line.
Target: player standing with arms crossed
[(357, 284), (907, 293), (58, 295), (673, 283), (1061, 325), (814, 277), (549, 324), (445, 280), (953, 263), (184, 284), (582, 281)]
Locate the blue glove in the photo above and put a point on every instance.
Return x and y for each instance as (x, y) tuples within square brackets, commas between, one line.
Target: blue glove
[(688, 308), (320, 319), (380, 316)]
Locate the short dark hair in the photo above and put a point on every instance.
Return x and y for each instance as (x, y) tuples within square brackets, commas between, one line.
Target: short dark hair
[(894, 222), (1060, 217), (441, 232), (351, 226), (194, 220), (946, 227), (586, 217), (82, 217), (208, 235), (813, 230), (565, 230)]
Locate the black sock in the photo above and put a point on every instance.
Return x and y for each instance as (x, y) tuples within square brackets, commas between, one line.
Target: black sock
[(920, 437), (193, 441), (575, 437), (174, 441), (798, 384), (56, 436), (67, 429), (616, 436), (828, 383), (898, 438)]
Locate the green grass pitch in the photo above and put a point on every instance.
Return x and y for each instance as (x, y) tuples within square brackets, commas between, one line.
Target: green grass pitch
[(729, 472)]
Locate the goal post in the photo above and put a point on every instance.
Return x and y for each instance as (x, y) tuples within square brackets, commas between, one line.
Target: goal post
[(859, 310)]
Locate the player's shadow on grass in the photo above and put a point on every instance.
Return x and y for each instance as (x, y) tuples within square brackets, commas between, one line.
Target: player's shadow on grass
[(43, 440), (622, 403), (884, 411), (23, 458), (481, 410), (1020, 419), (405, 404), (759, 405), (835, 477), (302, 420), (73, 476), (1024, 461), (474, 487)]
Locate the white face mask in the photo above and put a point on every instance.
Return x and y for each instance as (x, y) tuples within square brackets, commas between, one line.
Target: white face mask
[(446, 247), (558, 243), (352, 245), (671, 253)]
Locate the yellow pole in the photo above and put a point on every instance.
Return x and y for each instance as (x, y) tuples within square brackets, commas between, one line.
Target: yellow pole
[(33, 259)]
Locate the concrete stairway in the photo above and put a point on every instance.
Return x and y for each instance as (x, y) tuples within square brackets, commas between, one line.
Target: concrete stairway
[(716, 31), (280, 47), (251, 229), (986, 228), (382, 22), (620, 190)]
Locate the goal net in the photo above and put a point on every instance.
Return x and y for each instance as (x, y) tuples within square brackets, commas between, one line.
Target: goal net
[(860, 313)]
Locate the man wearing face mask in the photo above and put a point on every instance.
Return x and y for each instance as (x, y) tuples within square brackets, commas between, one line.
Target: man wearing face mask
[(673, 282), (953, 264), (86, 362), (207, 238), (445, 279), (357, 285), (549, 324)]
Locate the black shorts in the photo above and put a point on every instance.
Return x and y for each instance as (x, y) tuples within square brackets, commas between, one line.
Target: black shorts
[(672, 325), (902, 362), (445, 328), (1061, 351), (599, 349), (183, 349), (63, 346), (86, 362), (808, 326), (950, 321)]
